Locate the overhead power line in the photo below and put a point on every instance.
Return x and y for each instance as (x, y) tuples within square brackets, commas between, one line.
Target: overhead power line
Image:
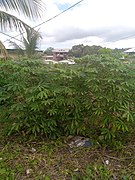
[(10, 36), (123, 38), (50, 19)]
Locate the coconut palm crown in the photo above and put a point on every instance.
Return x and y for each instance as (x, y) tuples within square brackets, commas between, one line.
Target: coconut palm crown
[(29, 8)]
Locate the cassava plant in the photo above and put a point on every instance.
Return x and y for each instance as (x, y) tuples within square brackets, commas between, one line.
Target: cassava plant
[(94, 98)]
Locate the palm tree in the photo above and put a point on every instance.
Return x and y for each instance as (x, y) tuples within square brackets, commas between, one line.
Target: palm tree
[(29, 8), (3, 50), (29, 43)]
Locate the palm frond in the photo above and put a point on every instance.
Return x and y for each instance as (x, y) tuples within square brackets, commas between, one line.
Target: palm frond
[(30, 42), (19, 49), (29, 8), (9, 21)]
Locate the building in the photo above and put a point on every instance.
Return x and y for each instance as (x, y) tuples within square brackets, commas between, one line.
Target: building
[(130, 51), (48, 57), (60, 54)]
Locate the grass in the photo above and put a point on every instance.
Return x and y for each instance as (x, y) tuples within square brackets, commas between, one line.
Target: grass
[(22, 158)]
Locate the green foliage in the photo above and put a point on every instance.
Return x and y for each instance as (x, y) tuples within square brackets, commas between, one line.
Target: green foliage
[(80, 50), (95, 98), (29, 44), (114, 53), (94, 172), (48, 51), (5, 171)]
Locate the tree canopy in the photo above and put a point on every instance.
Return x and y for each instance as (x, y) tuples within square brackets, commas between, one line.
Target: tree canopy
[(81, 50)]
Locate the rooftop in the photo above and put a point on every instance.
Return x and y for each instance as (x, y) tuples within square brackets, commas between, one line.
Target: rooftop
[(131, 50), (60, 50)]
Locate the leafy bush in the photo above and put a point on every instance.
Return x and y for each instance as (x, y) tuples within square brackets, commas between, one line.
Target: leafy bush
[(94, 172), (94, 97), (112, 89)]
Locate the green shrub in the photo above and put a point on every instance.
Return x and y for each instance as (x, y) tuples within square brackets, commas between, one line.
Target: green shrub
[(95, 97), (94, 172)]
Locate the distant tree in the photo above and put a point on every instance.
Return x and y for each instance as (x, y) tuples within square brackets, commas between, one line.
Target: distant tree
[(77, 50), (49, 50), (81, 50), (105, 51), (91, 50), (115, 53)]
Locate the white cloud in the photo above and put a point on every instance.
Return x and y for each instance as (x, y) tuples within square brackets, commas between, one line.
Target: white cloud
[(91, 22)]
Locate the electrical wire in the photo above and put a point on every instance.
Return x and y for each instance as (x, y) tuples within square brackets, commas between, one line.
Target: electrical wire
[(50, 19), (123, 38), (11, 37)]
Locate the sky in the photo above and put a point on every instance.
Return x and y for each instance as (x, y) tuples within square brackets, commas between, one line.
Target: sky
[(109, 23)]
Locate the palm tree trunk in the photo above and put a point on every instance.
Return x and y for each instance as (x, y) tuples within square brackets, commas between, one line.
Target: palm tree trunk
[(3, 51)]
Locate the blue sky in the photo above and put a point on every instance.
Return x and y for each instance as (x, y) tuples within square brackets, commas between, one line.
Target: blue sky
[(62, 6), (92, 22), (104, 23)]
